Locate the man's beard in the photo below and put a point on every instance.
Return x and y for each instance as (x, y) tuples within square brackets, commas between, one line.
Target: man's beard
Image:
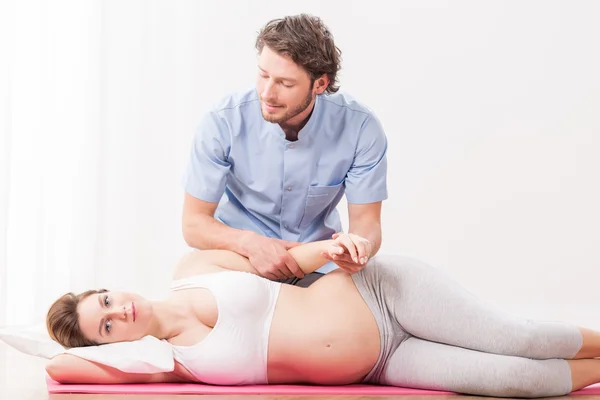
[(291, 113)]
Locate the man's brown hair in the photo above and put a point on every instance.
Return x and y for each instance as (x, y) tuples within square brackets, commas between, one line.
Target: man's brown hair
[(308, 42)]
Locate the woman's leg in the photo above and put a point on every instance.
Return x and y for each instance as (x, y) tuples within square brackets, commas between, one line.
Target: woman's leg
[(584, 372), (430, 305), (591, 344), (422, 364)]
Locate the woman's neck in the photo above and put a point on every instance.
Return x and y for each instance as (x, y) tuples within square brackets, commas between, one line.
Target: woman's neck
[(169, 318)]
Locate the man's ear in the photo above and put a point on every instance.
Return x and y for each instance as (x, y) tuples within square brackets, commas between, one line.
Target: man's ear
[(321, 84)]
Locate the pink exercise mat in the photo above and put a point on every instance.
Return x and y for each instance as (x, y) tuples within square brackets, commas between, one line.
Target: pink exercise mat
[(196, 388)]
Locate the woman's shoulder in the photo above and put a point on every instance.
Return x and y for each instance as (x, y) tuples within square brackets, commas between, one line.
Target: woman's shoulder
[(209, 261), (188, 269)]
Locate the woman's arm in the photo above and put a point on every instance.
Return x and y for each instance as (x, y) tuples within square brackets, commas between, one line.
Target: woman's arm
[(67, 368), (307, 255)]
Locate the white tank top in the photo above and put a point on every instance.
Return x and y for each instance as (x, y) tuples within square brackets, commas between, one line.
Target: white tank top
[(235, 351)]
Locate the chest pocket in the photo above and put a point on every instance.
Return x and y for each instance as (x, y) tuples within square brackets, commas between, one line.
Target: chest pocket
[(319, 199)]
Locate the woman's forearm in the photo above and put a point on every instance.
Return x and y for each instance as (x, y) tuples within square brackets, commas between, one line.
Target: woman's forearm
[(308, 255), (67, 368)]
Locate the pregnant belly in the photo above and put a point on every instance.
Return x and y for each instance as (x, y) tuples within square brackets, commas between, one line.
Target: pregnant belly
[(325, 334)]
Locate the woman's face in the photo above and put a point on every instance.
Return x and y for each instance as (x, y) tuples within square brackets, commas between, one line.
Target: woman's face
[(114, 317)]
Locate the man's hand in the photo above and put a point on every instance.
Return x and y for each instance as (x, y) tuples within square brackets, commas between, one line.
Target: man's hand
[(270, 257), (349, 251)]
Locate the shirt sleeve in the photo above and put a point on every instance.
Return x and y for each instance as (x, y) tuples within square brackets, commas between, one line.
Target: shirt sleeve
[(366, 181), (208, 167)]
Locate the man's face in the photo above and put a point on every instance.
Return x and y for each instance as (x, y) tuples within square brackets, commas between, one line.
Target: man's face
[(285, 89)]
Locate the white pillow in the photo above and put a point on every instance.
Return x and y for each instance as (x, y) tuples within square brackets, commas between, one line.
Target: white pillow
[(147, 355), (33, 340)]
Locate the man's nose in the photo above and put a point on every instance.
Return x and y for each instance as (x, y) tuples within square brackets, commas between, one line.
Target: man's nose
[(268, 90)]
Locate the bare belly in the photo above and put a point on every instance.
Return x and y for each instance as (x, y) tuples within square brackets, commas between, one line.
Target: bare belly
[(324, 334)]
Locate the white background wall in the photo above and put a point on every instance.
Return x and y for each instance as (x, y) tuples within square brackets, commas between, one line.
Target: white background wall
[(491, 111)]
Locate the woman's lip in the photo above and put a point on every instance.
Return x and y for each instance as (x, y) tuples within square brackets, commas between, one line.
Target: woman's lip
[(133, 308)]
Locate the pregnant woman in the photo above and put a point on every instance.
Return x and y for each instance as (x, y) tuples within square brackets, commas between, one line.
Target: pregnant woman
[(396, 322)]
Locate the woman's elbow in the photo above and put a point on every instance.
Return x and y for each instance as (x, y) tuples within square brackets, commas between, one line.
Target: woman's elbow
[(55, 372), (62, 370)]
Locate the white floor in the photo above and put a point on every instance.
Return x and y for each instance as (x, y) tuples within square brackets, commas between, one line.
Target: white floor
[(21, 376)]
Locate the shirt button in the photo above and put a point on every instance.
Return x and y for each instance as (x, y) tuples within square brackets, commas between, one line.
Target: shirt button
[(292, 146), (289, 188), (285, 226)]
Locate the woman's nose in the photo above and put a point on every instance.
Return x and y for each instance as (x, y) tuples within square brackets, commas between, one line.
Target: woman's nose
[(118, 313)]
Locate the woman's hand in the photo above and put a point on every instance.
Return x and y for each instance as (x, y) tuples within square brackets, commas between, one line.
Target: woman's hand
[(349, 251)]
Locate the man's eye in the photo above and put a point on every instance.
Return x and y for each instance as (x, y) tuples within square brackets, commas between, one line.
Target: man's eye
[(107, 326), (106, 301)]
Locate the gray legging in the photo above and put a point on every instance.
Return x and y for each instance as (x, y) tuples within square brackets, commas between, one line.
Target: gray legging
[(436, 335)]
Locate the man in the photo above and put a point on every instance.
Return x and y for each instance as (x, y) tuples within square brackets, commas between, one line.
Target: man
[(269, 165)]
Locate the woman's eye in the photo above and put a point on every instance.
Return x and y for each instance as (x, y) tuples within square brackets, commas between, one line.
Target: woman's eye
[(107, 326), (106, 301)]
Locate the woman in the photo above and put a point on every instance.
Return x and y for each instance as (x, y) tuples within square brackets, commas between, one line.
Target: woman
[(396, 322)]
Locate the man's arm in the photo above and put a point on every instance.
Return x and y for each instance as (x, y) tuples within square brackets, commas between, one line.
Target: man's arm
[(202, 231), (364, 239), (366, 188), (205, 180), (365, 221), (267, 255)]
